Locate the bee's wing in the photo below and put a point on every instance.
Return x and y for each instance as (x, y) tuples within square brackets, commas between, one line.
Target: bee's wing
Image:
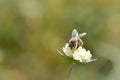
[(82, 35), (74, 33)]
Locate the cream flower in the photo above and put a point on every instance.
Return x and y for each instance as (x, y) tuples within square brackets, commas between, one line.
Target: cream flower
[(79, 54), (82, 55)]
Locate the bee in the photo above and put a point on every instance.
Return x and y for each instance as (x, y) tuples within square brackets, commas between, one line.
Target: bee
[(75, 40)]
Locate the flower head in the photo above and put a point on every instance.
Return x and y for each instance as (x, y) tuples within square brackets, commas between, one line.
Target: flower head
[(82, 55)]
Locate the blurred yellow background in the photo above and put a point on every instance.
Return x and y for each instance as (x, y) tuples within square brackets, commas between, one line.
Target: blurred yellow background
[(32, 30)]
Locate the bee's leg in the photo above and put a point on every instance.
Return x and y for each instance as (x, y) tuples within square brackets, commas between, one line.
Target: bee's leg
[(77, 46), (82, 35), (81, 42)]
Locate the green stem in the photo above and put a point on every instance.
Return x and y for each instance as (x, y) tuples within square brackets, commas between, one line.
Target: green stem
[(70, 69)]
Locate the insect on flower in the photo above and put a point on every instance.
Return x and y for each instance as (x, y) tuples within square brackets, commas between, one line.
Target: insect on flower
[(73, 49), (75, 40)]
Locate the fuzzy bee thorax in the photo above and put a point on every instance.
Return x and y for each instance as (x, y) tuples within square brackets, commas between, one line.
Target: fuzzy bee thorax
[(75, 42)]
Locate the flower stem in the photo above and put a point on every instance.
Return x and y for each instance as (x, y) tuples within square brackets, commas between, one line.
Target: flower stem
[(70, 69)]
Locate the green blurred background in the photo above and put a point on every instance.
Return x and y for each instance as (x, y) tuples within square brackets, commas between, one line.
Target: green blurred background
[(32, 30)]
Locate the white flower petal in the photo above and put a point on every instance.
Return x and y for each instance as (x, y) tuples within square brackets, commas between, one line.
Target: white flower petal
[(76, 57), (91, 60), (67, 50), (60, 52)]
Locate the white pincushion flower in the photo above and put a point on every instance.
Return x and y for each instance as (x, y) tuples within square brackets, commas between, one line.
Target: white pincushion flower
[(79, 54), (74, 49), (82, 55)]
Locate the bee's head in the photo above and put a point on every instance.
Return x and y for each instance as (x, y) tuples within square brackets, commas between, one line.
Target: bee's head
[(74, 33)]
